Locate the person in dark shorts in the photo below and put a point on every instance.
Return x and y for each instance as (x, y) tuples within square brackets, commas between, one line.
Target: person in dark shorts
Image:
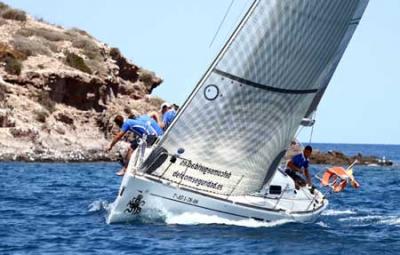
[(297, 167), (141, 126)]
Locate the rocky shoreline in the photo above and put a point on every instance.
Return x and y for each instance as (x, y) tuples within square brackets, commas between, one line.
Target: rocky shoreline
[(51, 157)]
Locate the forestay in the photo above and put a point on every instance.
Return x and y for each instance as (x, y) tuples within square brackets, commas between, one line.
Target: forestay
[(241, 117)]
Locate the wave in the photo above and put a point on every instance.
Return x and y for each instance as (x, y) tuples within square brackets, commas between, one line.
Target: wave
[(363, 218), (332, 212), (322, 224), (374, 219), (98, 206), (392, 220), (200, 219)]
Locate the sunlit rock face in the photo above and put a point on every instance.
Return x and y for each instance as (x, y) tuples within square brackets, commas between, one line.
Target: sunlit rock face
[(60, 89)]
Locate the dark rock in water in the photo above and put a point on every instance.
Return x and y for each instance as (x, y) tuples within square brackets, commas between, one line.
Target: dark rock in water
[(339, 158), (335, 157)]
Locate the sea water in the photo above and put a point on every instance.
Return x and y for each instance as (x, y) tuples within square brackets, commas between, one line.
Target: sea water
[(61, 209)]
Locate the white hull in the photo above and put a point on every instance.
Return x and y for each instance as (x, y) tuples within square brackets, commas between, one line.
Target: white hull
[(141, 193)]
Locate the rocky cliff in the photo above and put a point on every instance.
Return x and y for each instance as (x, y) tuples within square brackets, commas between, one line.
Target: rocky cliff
[(60, 88)]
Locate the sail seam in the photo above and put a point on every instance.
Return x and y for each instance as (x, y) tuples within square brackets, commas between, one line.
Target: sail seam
[(262, 86)]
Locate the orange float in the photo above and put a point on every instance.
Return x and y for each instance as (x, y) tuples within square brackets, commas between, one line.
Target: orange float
[(337, 178)]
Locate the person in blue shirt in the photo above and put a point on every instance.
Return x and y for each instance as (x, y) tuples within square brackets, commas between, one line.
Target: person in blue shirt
[(167, 115), (141, 126), (299, 165)]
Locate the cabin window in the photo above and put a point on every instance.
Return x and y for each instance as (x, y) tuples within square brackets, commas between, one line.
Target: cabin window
[(275, 190)]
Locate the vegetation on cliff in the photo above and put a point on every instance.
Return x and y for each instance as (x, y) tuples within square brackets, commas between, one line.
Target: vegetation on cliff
[(9, 13)]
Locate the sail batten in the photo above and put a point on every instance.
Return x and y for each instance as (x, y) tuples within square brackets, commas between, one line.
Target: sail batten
[(263, 86), (242, 115)]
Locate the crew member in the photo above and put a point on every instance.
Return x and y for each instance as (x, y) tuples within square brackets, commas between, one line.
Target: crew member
[(176, 107), (140, 126), (168, 114), (298, 167)]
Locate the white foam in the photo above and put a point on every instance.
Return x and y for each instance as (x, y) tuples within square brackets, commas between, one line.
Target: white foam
[(363, 218), (198, 219), (338, 212), (322, 224), (374, 219), (98, 206), (392, 220)]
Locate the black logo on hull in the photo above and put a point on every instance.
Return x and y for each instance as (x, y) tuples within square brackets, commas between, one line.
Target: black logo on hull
[(135, 205)]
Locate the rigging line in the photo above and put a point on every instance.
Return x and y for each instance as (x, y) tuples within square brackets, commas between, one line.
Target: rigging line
[(241, 14), (312, 131), (222, 22), (298, 132)]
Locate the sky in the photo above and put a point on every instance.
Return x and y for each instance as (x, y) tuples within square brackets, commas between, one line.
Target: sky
[(173, 38)]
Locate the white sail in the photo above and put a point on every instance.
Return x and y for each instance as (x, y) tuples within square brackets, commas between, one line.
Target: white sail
[(238, 122), (330, 69)]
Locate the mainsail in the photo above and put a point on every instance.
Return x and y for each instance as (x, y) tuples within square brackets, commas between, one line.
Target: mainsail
[(330, 69), (236, 125)]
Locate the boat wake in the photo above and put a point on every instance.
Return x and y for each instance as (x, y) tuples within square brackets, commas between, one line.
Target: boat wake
[(392, 220), (202, 219), (331, 212), (188, 218), (98, 206), (151, 216), (362, 218), (373, 219), (322, 224)]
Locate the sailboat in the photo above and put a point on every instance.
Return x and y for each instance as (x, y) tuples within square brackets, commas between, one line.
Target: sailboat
[(222, 155)]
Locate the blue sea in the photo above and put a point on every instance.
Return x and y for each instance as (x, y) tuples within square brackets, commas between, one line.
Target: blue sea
[(61, 209)]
